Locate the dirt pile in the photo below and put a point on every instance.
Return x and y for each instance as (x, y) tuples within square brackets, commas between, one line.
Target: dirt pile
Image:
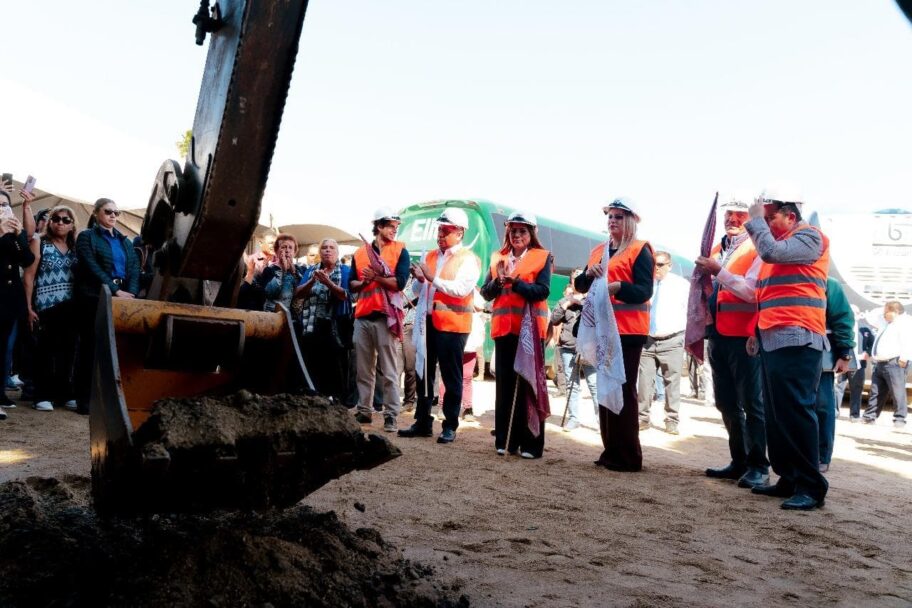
[(238, 451), (55, 551)]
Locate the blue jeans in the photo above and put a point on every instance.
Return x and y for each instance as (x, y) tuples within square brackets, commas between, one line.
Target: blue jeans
[(826, 416), (568, 356), (888, 377)]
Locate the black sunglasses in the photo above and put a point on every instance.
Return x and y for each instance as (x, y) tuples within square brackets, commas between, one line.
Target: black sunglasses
[(113, 212), (61, 219)]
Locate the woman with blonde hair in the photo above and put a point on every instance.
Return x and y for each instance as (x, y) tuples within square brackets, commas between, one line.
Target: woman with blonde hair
[(627, 265), (50, 286)]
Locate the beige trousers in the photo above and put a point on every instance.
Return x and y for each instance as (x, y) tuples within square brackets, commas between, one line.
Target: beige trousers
[(374, 344)]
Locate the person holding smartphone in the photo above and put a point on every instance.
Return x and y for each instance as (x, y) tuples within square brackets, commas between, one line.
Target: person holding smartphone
[(49, 292), (106, 257), (14, 254)]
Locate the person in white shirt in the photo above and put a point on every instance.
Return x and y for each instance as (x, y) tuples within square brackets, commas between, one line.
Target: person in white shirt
[(890, 354), (446, 280), (664, 348)]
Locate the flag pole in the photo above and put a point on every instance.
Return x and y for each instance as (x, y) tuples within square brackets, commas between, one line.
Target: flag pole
[(512, 412)]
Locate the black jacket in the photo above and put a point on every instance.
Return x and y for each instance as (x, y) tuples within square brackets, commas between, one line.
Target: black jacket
[(14, 254), (96, 263)]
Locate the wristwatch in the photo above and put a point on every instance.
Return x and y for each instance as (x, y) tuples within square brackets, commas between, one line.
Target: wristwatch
[(846, 357)]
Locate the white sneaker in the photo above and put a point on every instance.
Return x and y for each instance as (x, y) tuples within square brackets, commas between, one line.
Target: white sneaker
[(501, 451), (71, 405), (15, 381), (44, 406), (526, 455)]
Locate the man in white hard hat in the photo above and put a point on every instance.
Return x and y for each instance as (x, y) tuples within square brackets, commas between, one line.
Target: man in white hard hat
[(373, 338), (446, 284), (791, 302), (736, 374)]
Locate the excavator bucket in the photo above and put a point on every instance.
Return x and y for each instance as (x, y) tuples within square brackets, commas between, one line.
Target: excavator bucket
[(198, 407)]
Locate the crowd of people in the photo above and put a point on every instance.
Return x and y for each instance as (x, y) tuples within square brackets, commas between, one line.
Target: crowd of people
[(782, 342)]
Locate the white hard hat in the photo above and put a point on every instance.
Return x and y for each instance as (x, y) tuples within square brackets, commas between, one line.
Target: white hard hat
[(625, 204), (385, 214), (739, 202), (518, 217), (780, 196), (454, 216)]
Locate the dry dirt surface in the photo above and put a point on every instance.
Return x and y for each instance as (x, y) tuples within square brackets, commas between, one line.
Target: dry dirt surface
[(560, 531)]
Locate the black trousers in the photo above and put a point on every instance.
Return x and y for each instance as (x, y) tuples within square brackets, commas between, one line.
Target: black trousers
[(444, 348), (86, 307), (737, 381), (790, 379), (6, 328), (521, 438), (55, 353), (621, 432), (325, 359)]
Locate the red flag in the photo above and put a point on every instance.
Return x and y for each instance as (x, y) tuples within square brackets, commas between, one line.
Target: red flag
[(392, 301), (529, 364), (698, 316)]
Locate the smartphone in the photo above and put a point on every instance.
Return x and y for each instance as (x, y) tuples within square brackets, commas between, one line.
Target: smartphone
[(29, 184), (6, 211), (8, 177)]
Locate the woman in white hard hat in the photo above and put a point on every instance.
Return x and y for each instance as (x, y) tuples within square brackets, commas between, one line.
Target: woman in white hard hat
[(628, 266), (520, 272)]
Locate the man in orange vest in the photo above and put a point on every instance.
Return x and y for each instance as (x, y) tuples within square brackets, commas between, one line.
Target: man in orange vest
[(446, 282), (791, 299), (736, 374), (375, 344)]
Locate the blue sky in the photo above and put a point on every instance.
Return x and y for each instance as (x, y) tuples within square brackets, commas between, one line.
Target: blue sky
[(550, 107)]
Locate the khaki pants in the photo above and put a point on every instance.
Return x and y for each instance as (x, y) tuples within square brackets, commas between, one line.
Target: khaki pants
[(375, 345)]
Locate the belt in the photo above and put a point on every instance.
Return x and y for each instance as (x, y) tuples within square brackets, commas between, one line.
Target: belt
[(117, 282), (669, 336), (890, 360)]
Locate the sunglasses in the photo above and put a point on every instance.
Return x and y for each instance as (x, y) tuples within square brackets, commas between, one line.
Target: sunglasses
[(662, 264), (113, 212), (615, 216), (61, 219)]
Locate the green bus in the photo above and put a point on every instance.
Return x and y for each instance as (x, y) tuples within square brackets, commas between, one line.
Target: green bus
[(569, 245)]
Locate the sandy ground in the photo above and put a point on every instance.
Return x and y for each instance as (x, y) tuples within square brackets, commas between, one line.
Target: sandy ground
[(562, 532)]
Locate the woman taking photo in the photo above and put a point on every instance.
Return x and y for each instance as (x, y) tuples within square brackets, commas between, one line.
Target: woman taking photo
[(106, 257), (520, 272), (629, 275), (49, 293), (326, 322)]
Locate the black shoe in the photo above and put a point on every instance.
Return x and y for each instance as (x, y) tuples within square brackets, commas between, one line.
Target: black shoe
[(416, 431), (753, 478), (801, 502), (775, 490), (7, 402), (468, 415), (2, 415), (364, 418), (730, 471), (447, 436)]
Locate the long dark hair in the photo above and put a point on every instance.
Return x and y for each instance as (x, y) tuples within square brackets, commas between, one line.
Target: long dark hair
[(534, 243), (71, 235)]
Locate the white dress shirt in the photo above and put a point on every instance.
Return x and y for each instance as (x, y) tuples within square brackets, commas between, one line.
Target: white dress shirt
[(894, 340), (466, 277), (668, 306)]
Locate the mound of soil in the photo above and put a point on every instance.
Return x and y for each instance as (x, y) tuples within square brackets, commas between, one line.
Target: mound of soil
[(236, 451), (55, 551)]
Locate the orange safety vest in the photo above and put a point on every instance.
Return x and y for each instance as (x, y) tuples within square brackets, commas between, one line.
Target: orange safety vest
[(734, 316), (632, 319), (795, 294), (451, 313), (507, 309), (371, 298)]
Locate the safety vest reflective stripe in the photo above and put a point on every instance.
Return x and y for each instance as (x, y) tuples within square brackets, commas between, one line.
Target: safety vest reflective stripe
[(438, 305), (738, 306), (510, 310), (791, 279), (622, 306), (811, 302)]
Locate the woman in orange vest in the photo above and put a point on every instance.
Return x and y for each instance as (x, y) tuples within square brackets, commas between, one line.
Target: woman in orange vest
[(630, 270), (520, 272)]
